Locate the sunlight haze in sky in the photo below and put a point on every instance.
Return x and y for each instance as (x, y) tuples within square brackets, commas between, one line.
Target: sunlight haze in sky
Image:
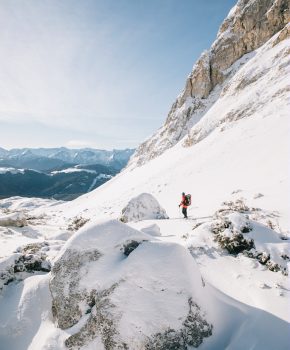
[(96, 73)]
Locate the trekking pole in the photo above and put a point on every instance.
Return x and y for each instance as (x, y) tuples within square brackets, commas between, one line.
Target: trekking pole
[(180, 210)]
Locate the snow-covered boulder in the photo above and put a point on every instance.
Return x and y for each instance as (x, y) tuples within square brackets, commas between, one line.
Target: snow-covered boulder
[(151, 298), (14, 219), (25, 261), (236, 232), (143, 207)]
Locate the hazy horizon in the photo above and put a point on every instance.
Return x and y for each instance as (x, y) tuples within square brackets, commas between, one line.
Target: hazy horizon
[(69, 148)]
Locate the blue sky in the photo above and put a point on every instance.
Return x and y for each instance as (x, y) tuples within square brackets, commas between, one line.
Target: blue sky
[(97, 73)]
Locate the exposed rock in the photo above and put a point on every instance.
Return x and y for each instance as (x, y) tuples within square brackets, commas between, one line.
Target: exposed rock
[(284, 34), (100, 323), (194, 329), (235, 232), (111, 299), (230, 236), (66, 275), (143, 207), (198, 84), (264, 258), (228, 207), (28, 259), (33, 248), (16, 219), (248, 26), (129, 247)]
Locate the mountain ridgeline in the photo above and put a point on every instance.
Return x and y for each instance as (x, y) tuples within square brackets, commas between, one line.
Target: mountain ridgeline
[(45, 159), (249, 25), (58, 173)]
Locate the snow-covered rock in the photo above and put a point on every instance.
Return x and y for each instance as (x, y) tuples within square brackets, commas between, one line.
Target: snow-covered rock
[(235, 231), (14, 219), (266, 66), (143, 207), (150, 299), (25, 261)]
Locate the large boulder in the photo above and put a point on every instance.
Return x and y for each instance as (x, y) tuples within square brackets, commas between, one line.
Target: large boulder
[(151, 297), (143, 207)]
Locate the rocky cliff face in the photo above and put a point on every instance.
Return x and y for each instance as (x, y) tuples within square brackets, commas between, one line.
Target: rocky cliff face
[(249, 25)]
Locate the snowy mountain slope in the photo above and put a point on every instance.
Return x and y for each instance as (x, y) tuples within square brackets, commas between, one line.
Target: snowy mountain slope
[(260, 85), (248, 26), (229, 152)]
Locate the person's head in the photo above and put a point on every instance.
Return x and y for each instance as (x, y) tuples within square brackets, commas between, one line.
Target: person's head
[(183, 193)]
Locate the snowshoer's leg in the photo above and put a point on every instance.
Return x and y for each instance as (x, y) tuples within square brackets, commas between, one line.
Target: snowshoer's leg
[(184, 212)]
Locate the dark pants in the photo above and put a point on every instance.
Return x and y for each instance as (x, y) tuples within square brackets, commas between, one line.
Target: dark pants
[(184, 212)]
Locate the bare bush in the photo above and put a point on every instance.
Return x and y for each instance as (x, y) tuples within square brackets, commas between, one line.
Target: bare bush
[(77, 223)]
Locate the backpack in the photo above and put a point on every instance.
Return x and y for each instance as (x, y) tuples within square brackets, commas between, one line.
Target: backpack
[(187, 199)]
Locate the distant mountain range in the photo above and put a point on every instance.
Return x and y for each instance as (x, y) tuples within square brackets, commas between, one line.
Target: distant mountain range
[(58, 173), (44, 159)]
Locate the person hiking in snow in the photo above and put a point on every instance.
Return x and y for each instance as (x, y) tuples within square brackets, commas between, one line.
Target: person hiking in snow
[(184, 205)]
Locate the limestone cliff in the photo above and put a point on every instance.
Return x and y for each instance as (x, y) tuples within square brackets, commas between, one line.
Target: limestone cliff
[(249, 25)]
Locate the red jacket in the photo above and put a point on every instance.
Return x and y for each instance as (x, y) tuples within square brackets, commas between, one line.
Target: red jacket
[(182, 203)]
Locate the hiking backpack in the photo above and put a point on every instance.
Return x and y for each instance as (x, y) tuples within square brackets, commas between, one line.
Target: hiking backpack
[(187, 199)]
